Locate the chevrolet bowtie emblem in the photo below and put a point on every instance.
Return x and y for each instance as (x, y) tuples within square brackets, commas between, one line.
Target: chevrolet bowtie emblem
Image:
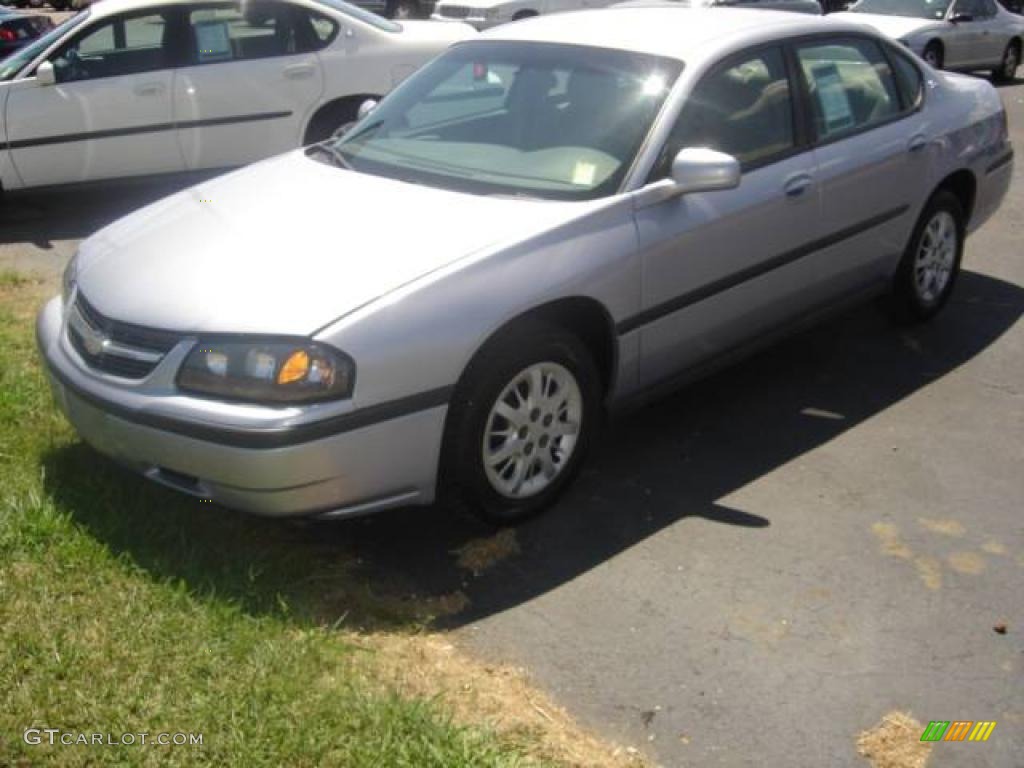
[(95, 341)]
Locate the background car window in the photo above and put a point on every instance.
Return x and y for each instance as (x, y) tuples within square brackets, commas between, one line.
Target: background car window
[(851, 86), (123, 45), (242, 31), (974, 8), (909, 80), (744, 110)]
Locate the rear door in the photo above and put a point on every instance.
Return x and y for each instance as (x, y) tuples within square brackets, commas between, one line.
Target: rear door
[(251, 81), (872, 143), (109, 113)]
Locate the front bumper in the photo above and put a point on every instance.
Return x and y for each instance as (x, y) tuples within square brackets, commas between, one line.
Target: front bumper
[(363, 468)]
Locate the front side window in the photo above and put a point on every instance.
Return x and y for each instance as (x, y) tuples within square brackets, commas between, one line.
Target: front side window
[(744, 109), (528, 119), (241, 31), (851, 86), (123, 45), (918, 9)]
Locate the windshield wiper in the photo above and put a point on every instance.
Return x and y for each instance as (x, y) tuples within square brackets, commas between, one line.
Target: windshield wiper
[(335, 154)]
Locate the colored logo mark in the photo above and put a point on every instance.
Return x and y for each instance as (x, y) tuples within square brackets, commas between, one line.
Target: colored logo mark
[(958, 730)]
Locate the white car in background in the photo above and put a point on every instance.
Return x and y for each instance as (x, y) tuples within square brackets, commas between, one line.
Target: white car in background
[(964, 35), (143, 87), (484, 14)]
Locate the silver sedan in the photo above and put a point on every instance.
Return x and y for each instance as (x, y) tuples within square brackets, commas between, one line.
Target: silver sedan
[(963, 35), (563, 216)]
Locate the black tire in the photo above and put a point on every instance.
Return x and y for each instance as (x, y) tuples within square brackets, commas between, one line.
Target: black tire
[(1007, 71), (934, 55), (464, 479), (403, 9), (330, 119), (524, 15), (911, 302)]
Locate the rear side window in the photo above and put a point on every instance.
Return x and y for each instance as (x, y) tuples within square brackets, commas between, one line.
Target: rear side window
[(241, 31), (313, 30), (851, 86), (908, 79), (743, 108)]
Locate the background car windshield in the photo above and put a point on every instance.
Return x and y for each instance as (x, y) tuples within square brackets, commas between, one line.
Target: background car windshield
[(14, 63), (919, 9), (539, 120)]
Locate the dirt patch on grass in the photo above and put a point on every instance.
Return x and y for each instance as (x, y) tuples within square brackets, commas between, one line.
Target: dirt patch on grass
[(497, 696), (479, 555), (895, 743)]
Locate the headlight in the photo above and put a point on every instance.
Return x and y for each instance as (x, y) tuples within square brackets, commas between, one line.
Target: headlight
[(69, 279), (267, 370)]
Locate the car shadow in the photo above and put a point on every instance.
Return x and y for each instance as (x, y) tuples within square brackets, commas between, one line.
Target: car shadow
[(43, 218), (670, 461)]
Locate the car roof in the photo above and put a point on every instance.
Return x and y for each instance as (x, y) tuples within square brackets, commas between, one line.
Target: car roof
[(665, 30)]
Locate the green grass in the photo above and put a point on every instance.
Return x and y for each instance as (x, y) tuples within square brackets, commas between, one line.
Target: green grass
[(125, 608)]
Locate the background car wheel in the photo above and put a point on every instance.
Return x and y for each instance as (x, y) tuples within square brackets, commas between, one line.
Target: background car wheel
[(521, 422), (1007, 71), (931, 263), (403, 9), (933, 54), (524, 15)]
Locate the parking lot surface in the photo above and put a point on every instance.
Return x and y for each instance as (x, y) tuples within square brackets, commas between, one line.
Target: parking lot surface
[(754, 570)]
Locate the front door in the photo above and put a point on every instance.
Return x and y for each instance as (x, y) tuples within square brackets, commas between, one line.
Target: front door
[(718, 267), (109, 113), (251, 85)]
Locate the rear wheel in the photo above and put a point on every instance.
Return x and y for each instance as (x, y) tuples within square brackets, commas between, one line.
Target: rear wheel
[(521, 423), (933, 54), (931, 262), (1007, 71)]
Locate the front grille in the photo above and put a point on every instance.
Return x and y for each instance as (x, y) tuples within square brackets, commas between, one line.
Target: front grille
[(126, 350), (455, 11)]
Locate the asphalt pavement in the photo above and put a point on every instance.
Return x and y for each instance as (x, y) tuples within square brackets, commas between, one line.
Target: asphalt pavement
[(754, 570)]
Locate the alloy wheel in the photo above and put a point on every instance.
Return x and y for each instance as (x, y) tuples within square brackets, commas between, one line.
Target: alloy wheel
[(532, 430), (936, 256)]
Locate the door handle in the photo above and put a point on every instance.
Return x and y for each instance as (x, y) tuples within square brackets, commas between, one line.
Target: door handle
[(796, 185), (917, 143), (149, 89), (298, 71)]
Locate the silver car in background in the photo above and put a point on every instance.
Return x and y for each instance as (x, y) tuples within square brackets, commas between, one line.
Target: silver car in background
[(963, 35), (592, 207), (812, 7)]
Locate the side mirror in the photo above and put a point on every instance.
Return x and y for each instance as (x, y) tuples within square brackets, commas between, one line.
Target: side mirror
[(956, 18), (366, 108), (45, 74), (704, 170)]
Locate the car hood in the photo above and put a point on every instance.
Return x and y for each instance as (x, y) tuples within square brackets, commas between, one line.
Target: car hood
[(288, 245), (891, 26)]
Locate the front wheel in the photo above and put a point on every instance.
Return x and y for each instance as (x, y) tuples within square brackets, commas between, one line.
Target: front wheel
[(1007, 71), (931, 262), (521, 423)]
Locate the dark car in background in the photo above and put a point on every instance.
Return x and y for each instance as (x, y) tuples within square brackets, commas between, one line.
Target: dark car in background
[(18, 29)]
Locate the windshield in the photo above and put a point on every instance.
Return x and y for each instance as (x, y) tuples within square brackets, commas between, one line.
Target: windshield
[(14, 63), (530, 119), (918, 9)]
